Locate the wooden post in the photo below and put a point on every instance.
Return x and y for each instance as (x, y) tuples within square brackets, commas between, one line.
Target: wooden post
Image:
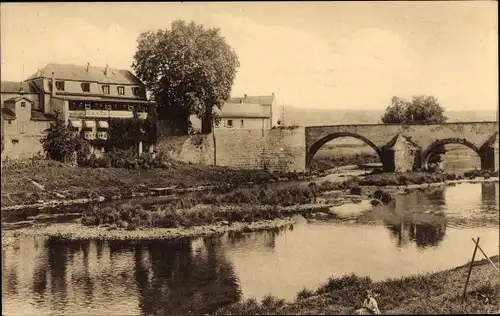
[(470, 268), (487, 258)]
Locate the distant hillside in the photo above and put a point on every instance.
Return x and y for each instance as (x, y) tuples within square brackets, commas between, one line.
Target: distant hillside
[(311, 117)]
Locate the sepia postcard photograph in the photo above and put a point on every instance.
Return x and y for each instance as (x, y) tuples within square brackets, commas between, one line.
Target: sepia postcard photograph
[(249, 158)]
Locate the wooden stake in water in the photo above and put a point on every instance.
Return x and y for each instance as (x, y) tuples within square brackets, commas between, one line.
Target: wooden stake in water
[(486, 256), (470, 267)]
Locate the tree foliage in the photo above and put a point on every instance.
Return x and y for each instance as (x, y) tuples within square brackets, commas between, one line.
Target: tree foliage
[(421, 109), (189, 69), (60, 143)]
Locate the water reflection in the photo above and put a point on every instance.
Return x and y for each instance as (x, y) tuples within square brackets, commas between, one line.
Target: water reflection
[(153, 278), (42, 277), (424, 235)]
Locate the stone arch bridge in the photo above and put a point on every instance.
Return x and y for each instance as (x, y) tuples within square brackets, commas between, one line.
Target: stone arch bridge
[(408, 147)]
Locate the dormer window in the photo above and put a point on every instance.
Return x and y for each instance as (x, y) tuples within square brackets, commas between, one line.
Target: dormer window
[(23, 104), (85, 87), (135, 91), (105, 89), (121, 90), (60, 85)]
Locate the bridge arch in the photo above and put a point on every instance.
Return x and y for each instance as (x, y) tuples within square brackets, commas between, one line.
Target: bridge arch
[(426, 154), (322, 141)]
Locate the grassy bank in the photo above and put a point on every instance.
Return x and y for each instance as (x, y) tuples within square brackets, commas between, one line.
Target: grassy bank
[(409, 178), (65, 182), (436, 293)]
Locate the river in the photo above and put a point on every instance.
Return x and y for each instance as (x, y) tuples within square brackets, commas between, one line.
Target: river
[(425, 231)]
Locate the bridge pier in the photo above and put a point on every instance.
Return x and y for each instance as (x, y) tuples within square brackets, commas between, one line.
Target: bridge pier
[(489, 158), (399, 160), (401, 154)]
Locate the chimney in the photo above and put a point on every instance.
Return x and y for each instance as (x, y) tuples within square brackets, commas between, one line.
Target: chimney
[(106, 70), (88, 67), (53, 84)]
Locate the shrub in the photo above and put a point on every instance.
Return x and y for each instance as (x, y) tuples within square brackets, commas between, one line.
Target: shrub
[(355, 191), (304, 293), (60, 142)]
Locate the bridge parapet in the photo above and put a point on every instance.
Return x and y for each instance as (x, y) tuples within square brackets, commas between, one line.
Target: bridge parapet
[(415, 142)]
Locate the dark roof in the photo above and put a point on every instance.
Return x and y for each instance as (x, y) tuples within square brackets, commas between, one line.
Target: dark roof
[(8, 114), (102, 99), (15, 99), (40, 116), (17, 87), (94, 74), (265, 99)]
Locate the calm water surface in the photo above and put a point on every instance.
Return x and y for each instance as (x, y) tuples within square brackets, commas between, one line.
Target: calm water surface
[(41, 277)]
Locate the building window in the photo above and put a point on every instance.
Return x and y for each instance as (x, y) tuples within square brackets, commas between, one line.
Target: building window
[(10, 122), (241, 124), (121, 90), (105, 89), (87, 106), (108, 107), (15, 141), (85, 87), (135, 91), (60, 85), (23, 104), (229, 123)]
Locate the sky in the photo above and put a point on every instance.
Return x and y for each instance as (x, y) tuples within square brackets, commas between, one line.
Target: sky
[(325, 55)]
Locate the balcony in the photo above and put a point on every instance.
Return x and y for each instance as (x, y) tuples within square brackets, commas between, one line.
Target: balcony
[(89, 135), (102, 135)]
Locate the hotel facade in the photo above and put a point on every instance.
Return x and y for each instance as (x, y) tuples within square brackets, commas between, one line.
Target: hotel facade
[(85, 97)]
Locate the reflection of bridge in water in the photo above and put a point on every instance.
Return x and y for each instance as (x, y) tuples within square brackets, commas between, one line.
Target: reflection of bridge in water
[(428, 230)]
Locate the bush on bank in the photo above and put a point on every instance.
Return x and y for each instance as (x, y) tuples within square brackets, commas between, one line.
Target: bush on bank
[(437, 293), (170, 216)]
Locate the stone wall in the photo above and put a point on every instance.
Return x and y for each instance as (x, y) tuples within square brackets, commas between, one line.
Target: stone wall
[(197, 149), (427, 137), (274, 150)]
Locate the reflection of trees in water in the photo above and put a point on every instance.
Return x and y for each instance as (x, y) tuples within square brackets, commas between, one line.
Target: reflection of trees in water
[(435, 196), (432, 199), (183, 281), (409, 220), (40, 276), (10, 278), (423, 234), (57, 259), (266, 237)]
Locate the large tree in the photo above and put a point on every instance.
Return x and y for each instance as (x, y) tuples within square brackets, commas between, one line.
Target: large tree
[(421, 109), (189, 69)]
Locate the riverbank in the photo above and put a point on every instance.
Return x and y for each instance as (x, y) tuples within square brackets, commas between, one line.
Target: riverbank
[(435, 293), (56, 182), (77, 231)]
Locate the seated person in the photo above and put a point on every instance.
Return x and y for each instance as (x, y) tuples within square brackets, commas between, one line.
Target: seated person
[(370, 306)]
